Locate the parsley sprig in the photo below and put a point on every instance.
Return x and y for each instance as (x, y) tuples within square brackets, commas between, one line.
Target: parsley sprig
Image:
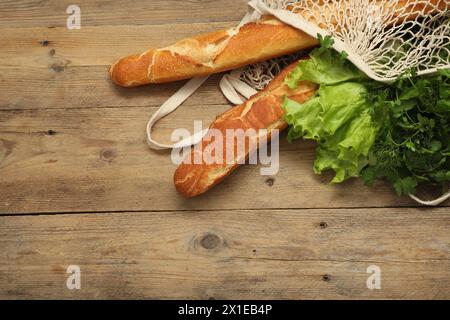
[(413, 144)]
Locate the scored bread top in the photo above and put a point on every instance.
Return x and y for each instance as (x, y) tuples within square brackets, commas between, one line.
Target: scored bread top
[(212, 53)]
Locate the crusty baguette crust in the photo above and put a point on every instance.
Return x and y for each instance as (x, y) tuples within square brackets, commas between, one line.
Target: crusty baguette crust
[(263, 111), (212, 53)]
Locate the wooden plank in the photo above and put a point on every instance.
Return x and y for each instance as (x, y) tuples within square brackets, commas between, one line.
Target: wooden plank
[(52, 13), (73, 67), (282, 254), (91, 46), (98, 160), (86, 87)]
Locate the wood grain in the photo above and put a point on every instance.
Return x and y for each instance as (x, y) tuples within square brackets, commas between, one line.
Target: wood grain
[(97, 160), (52, 13), (73, 67), (87, 87), (282, 254), (92, 45), (79, 185)]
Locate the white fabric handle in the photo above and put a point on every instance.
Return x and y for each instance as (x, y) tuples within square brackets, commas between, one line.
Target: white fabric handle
[(168, 107), (230, 85), (432, 203)]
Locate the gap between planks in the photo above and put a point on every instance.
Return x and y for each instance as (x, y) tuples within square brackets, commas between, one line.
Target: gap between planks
[(175, 211), (67, 172)]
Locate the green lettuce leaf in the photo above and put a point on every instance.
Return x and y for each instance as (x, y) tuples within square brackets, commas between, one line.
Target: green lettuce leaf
[(398, 131), (338, 118), (346, 152), (324, 67), (324, 114)]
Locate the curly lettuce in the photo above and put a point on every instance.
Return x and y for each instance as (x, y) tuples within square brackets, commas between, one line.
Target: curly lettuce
[(363, 128), (338, 117)]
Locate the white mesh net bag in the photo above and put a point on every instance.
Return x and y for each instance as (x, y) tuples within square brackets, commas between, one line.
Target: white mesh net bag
[(383, 38)]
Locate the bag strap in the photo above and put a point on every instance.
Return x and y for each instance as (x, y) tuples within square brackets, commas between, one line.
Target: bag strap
[(431, 203), (170, 106), (230, 85)]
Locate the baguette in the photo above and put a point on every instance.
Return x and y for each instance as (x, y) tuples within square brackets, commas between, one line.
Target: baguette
[(262, 111), (212, 53)]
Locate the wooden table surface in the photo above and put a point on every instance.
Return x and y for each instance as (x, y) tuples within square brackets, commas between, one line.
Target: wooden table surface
[(79, 186)]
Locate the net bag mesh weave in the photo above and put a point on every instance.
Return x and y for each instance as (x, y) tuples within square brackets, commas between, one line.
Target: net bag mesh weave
[(383, 38)]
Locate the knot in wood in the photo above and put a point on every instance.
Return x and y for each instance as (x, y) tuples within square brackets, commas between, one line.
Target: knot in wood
[(210, 241), (326, 278), (57, 68), (270, 181), (107, 155)]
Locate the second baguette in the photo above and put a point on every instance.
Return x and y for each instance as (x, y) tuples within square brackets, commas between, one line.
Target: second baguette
[(263, 111)]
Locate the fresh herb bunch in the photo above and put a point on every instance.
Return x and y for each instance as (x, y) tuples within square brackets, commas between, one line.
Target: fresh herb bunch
[(413, 143), (398, 131)]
